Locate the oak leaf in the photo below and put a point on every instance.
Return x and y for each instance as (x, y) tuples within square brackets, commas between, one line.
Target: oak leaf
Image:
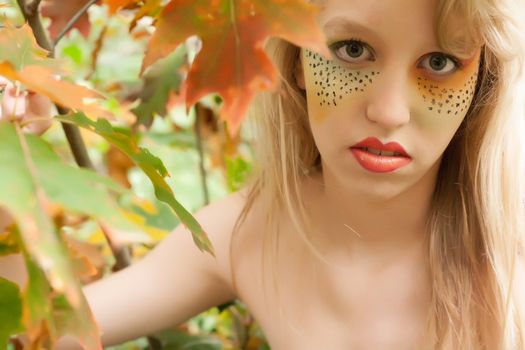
[(150, 165), (115, 5), (232, 61), (60, 12), (22, 60)]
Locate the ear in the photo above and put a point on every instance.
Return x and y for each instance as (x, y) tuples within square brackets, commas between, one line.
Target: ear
[(299, 71)]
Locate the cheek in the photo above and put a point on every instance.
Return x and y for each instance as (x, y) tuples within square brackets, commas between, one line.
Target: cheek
[(447, 99), (329, 84)]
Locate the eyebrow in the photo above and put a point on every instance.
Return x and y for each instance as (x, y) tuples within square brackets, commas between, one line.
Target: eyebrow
[(341, 24), (344, 23)]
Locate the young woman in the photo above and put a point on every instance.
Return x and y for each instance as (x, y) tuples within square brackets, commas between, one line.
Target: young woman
[(387, 211)]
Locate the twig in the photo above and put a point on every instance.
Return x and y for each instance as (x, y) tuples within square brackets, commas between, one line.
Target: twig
[(199, 110), (75, 141), (121, 253), (30, 8), (74, 20)]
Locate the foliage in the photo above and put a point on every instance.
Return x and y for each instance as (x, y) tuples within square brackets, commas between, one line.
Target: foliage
[(134, 81)]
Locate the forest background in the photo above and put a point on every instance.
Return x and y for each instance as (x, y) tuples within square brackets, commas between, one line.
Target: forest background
[(118, 118)]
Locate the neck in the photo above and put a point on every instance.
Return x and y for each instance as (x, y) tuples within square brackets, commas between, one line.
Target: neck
[(373, 220)]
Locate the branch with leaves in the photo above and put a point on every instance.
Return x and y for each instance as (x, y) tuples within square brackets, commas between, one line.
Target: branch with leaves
[(48, 197)]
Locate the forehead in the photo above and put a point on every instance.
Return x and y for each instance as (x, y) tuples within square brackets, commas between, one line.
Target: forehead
[(386, 20)]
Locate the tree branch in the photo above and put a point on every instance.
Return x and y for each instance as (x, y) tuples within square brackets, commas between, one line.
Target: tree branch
[(199, 110), (74, 139), (74, 20)]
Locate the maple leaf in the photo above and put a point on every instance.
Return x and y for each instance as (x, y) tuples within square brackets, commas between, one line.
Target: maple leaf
[(21, 59), (232, 61), (150, 165), (44, 81), (150, 8), (60, 12), (163, 78), (19, 47), (33, 182), (11, 315), (115, 5)]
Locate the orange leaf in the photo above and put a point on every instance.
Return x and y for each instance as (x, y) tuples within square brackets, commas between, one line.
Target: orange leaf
[(232, 61), (18, 46), (115, 5), (60, 12), (42, 80)]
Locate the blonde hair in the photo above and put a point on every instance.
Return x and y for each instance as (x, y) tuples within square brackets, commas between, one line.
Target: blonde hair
[(477, 222)]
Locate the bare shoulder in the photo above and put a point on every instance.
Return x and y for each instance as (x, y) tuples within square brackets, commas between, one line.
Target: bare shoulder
[(218, 220), (177, 280)]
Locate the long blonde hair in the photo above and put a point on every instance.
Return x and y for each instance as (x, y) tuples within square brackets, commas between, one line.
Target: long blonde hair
[(477, 223)]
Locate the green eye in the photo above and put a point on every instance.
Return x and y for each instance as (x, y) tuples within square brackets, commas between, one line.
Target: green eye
[(440, 64), (352, 51)]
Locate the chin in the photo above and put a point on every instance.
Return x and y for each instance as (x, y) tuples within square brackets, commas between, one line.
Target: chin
[(376, 191), (369, 187)]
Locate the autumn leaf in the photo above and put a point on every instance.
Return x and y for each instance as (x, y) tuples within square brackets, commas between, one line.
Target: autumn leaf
[(232, 61), (60, 12), (33, 181), (42, 80), (27, 183), (8, 244), (20, 49), (150, 8), (118, 166), (150, 165), (11, 314), (49, 315), (22, 60), (162, 79), (115, 5)]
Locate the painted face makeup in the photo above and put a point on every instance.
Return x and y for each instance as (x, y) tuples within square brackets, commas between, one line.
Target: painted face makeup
[(449, 96), (453, 95), (333, 82)]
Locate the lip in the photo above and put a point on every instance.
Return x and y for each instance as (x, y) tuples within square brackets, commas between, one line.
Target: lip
[(376, 163), (372, 142)]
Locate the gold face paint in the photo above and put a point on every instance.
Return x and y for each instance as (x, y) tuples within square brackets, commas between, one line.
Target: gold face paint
[(451, 95), (332, 82)]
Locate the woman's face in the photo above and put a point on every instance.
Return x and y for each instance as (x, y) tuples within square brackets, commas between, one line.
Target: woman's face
[(387, 78)]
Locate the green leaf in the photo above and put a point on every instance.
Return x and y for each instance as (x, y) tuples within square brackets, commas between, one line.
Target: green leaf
[(33, 179), (11, 311), (51, 314), (237, 171), (8, 244), (18, 46), (175, 340), (159, 81), (152, 167), (80, 190)]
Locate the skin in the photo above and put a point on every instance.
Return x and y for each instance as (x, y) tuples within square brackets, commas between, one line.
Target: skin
[(373, 289), (402, 98)]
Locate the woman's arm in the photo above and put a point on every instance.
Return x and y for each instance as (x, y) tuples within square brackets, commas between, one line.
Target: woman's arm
[(169, 285)]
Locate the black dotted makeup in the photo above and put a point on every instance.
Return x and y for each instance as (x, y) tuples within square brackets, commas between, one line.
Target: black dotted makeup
[(447, 99), (332, 82)]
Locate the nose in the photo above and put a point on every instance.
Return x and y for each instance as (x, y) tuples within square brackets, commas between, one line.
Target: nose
[(388, 104)]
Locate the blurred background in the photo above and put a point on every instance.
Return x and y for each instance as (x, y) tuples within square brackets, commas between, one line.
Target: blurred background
[(204, 162)]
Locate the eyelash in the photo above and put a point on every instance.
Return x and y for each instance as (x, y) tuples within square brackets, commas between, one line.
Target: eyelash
[(338, 44)]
